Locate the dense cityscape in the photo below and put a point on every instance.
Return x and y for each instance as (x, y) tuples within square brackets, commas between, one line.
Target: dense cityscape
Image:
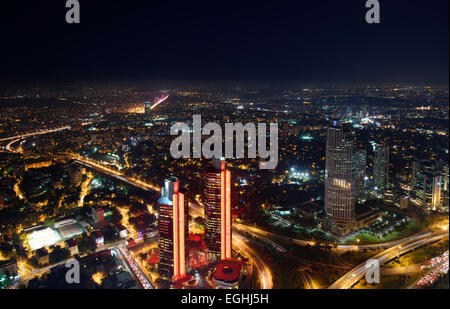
[(215, 153), (86, 174)]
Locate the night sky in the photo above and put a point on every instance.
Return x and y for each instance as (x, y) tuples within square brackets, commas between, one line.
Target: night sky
[(314, 41)]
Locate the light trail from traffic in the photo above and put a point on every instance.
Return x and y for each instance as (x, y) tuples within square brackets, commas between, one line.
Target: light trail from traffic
[(114, 173), (159, 101), (357, 273), (135, 268), (302, 242), (9, 146), (265, 274), (34, 133), (437, 266)]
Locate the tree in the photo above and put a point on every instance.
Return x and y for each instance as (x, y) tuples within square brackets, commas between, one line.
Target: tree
[(199, 220), (6, 249), (110, 235), (428, 221), (86, 244), (58, 254), (115, 217), (49, 222)]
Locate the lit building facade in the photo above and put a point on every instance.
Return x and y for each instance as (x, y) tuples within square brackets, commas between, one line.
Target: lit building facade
[(361, 174), (340, 173), (381, 168), (147, 107), (216, 197), (173, 231), (430, 186)]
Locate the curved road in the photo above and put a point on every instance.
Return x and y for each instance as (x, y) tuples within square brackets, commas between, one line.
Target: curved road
[(302, 242), (357, 273)]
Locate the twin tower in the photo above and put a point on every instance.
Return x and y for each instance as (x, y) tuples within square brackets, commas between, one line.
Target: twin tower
[(174, 225)]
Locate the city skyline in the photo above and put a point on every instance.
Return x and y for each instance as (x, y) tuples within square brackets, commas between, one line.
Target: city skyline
[(224, 153)]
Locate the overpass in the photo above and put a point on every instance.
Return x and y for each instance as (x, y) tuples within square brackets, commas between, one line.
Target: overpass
[(357, 273)]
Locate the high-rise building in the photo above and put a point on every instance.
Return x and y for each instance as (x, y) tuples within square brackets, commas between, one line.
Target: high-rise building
[(446, 188), (429, 187), (396, 197), (381, 168), (216, 197), (361, 174), (445, 172), (147, 107), (412, 176), (340, 173), (173, 230)]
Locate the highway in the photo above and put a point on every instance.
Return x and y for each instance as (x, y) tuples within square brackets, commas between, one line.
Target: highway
[(357, 273), (159, 101), (243, 229), (34, 133), (265, 275), (434, 267), (301, 242), (134, 267), (114, 173), (9, 146)]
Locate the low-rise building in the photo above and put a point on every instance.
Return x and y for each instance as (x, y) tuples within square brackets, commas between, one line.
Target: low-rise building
[(72, 245), (42, 256), (228, 274), (8, 269)]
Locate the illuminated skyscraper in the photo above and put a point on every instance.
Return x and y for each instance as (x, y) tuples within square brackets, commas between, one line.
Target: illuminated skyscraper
[(413, 171), (147, 107), (445, 174), (445, 188), (340, 173), (173, 230), (430, 186), (381, 168), (216, 182), (361, 174)]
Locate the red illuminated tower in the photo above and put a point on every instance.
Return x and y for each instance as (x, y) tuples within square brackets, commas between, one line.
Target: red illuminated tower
[(173, 230), (216, 181)]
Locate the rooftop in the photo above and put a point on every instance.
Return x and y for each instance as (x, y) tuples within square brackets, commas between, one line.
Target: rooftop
[(228, 270)]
